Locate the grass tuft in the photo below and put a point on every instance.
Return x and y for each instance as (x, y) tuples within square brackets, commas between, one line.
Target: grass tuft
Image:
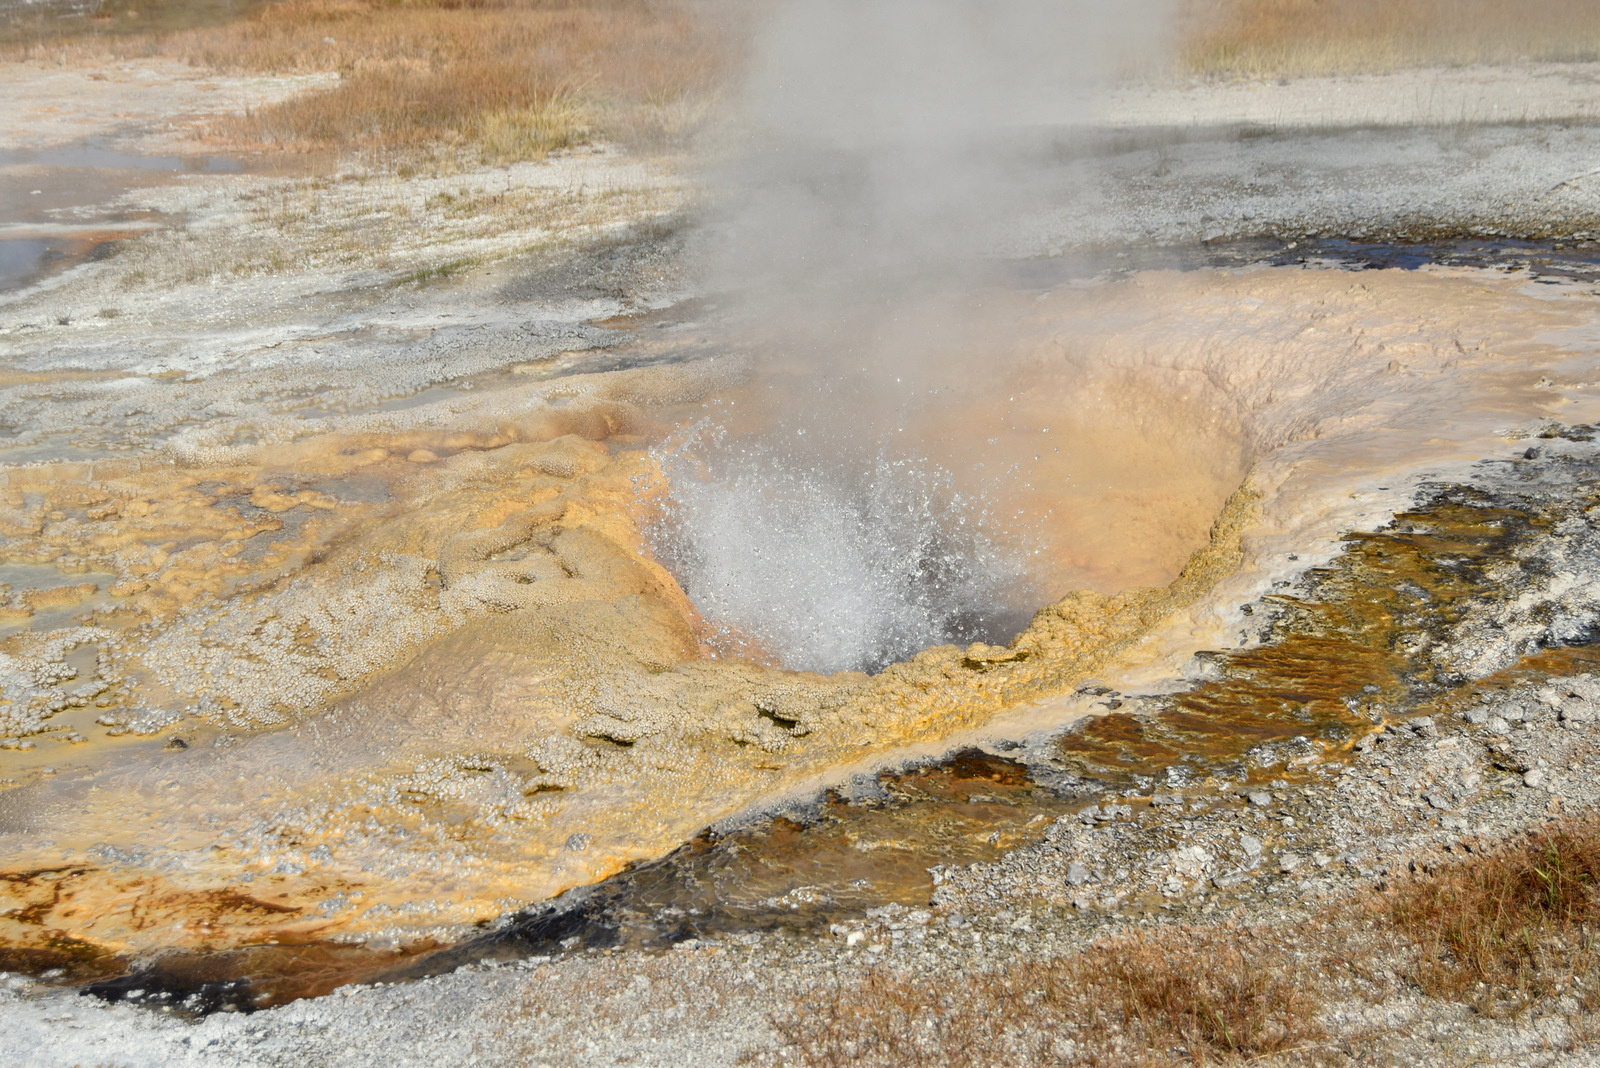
[(532, 132), (1268, 38), (1182, 995), (511, 79), (1207, 996), (1510, 930), (439, 271)]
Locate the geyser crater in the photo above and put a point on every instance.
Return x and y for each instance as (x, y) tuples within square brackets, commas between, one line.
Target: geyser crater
[(837, 562), (999, 451)]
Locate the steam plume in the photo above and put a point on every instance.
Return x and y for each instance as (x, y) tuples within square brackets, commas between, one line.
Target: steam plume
[(885, 145)]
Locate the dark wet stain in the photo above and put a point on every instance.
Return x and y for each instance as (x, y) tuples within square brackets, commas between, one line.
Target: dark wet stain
[(615, 266), (1544, 260), (25, 260), (1357, 642), (248, 978), (44, 952), (63, 960), (1577, 260), (799, 873)]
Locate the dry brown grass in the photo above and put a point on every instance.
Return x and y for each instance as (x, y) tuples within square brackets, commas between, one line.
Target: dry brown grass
[(511, 79), (1511, 930), (514, 79), (1181, 995), (1505, 933), (518, 81), (1293, 37)]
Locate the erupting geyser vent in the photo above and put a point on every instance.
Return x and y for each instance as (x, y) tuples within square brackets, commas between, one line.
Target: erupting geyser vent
[(828, 565)]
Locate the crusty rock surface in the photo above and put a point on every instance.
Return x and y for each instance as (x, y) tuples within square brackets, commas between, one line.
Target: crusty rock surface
[(1420, 792)]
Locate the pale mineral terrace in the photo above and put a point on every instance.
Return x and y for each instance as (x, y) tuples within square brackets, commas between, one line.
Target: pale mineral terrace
[(332, 616)]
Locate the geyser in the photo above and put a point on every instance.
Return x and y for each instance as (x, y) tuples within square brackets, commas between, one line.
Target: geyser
[(885, 146), (1052, 457), (833, 562)]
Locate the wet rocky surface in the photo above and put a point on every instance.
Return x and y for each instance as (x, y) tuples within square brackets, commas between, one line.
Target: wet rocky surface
[(1328, 757), (1422, 792), (1432, 690), (1548, 260), (1431, 693)]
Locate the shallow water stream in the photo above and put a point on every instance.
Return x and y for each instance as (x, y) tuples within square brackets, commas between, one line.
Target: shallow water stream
[(57, 204)]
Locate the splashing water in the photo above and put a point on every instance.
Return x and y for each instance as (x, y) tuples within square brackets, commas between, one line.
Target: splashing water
[(830, 565)]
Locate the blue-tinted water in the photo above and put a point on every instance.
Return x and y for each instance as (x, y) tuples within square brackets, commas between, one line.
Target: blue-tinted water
[(93, 154), (74, 177), (20, 259)]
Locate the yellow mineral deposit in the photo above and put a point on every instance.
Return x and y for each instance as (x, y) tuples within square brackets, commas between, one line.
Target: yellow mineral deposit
[(381, 685)]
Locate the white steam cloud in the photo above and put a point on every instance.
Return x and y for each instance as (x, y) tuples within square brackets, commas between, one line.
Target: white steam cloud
[(884, 144), (889, 139)]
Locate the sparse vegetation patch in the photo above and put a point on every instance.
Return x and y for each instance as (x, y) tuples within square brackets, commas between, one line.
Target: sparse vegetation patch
[(1510, 930), (496, 80), (1505, 933), (1165, 996), (1262, 38)]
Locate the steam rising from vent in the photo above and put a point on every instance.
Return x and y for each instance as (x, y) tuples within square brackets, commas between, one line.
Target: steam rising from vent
[(832, 563), (887, 145), (888, 142)]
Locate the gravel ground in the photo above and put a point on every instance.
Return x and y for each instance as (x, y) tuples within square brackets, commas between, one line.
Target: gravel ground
[(1418, 793), (1415, 794), (1440, 776), (1208, 184)]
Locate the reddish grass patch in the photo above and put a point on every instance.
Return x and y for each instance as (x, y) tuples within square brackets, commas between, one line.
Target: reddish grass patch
[(1180, 995), (1264, 37), (1503, 932), (1510, 930)]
